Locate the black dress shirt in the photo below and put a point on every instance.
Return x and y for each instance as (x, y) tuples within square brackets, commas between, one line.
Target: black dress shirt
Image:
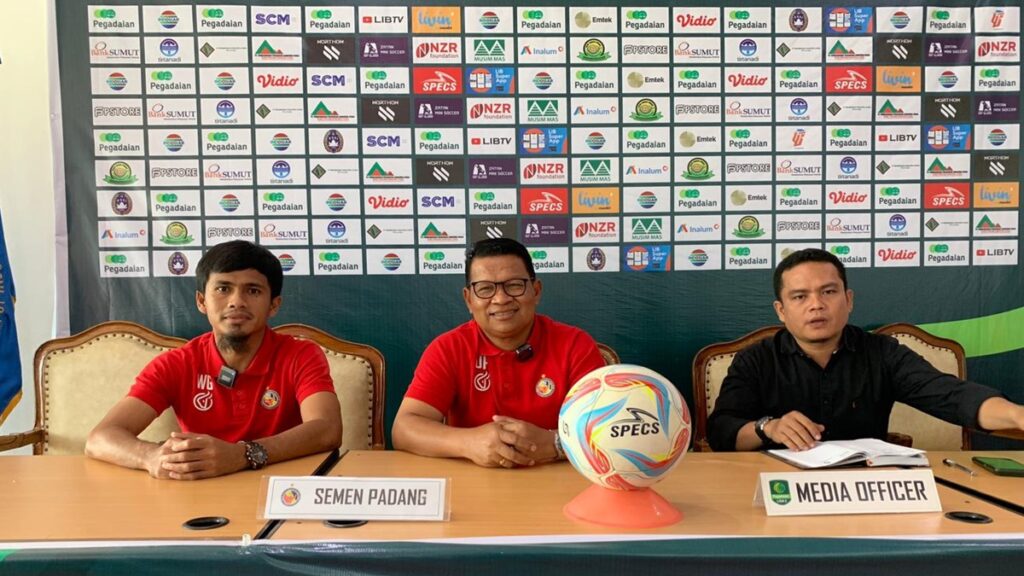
[(852, 396)]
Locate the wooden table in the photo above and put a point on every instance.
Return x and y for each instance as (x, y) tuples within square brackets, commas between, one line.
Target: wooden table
[(77, 498), (713, 491), (1007, 488)]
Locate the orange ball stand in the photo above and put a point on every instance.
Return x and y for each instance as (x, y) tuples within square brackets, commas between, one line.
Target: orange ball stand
[(642, 508)]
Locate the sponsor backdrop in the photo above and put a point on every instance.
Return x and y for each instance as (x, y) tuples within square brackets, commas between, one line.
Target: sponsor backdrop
[(657, 159)]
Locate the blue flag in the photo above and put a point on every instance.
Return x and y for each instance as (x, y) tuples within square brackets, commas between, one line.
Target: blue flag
[(10, 361)]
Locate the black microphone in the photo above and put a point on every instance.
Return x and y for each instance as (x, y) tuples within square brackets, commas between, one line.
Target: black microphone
[(227, 377), (524, 352)]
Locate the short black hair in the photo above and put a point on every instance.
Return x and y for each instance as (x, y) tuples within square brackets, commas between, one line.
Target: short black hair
[(499, 247), (806, 255), (240, 255)]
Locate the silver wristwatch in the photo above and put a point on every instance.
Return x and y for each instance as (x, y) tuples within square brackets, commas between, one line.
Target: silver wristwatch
[(759, 428)]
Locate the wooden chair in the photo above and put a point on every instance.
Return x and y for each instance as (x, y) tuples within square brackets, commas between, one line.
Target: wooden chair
[(358, 374), (78, 379), (609, 355), (710, 367), (929, 432)]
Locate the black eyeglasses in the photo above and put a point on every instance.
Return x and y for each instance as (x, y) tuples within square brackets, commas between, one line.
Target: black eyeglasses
[(485, 289)]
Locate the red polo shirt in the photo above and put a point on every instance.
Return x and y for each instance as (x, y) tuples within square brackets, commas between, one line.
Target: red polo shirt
[(264, 400), (469, 379)]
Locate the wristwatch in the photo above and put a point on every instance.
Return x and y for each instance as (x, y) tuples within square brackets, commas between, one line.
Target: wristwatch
[(559, 451), (255, 454), (759, 428)]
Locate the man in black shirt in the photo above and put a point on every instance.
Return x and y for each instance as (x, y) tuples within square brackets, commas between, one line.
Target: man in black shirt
[(820, 379)]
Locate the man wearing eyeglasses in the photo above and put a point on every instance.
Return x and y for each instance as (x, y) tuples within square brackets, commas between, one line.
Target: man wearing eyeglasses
[(490, 390)]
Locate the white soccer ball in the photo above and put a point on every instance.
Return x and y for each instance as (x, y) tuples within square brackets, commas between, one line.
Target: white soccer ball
[(624, 426)]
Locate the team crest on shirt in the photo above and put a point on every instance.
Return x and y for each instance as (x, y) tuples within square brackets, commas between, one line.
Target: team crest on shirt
[(545, 386), (270, 399), (203, 399), (482, 378)]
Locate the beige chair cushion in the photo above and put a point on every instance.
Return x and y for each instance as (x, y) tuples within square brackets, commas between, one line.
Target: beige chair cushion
[(928, 432), (715, 371), (353, 382), (81, 384)]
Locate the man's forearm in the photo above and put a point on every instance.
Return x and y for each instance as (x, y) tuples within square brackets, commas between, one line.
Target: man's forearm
[(121, 447), (426, 437), (747, 438), (1000, 414), (306, 438)]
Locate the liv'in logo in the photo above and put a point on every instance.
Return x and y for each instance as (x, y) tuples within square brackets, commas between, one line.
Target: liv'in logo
[(779, 490)]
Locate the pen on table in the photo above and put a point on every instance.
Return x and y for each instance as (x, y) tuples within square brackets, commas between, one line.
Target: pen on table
[(957, 465)]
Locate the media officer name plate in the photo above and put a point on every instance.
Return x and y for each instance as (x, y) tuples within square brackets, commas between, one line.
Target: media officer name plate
[(351, 498), (847, 492)]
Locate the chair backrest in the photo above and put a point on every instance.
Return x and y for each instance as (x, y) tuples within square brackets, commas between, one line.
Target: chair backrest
[(79, 378), (609, 354), (929, 432), (358, 374), (710, 367)]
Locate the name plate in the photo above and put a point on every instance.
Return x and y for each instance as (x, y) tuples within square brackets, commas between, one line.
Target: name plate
[(351, 498), (853, 492)]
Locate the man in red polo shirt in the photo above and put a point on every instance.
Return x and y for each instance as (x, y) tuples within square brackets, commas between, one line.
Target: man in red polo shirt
[(244, 395), (490, 390)]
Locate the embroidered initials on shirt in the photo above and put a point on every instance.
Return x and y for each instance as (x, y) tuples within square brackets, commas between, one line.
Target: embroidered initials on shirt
[(482, 379), (203, 400)]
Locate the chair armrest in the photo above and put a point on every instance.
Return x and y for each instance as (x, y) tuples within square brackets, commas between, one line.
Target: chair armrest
[(1015, 434), (901, 439), (12, 441), (701, 446)]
